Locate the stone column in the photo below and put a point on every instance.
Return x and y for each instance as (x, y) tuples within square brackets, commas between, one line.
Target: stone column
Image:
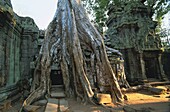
[(130, 67), (11, 78), (2, 60), (17, 59), (162, 73), (142, 65)]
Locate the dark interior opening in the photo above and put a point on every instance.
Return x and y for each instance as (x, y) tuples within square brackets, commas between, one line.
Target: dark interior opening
[(151, 68), (56, 77)]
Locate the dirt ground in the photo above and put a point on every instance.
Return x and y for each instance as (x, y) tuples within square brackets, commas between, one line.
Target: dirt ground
[(141, 101)]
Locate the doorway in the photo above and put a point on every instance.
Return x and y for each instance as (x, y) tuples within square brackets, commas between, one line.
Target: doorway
[(56, 77), (151, 68)]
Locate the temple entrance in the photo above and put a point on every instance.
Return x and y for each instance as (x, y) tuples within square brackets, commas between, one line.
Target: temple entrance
[(56, 77), (151, 68), (57, 85)]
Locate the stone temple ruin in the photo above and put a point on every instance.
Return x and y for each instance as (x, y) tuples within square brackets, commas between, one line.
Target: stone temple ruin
[(18, 46), (20, 43), (130, 31), (56, 74), (115, 59)]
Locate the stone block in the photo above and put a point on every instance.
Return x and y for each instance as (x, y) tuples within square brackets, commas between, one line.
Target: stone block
[(157, 90), (104, 98), (2, 80), (31, 108), (57, 95), (51, 107), (54, 104), (1, 48), (41, 103), (129, 109), (2, 41), (5, 105), (162, 87), (1, 108)]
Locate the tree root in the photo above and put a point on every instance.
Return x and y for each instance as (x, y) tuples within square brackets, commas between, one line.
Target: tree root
[(35, 95), (64, 40)]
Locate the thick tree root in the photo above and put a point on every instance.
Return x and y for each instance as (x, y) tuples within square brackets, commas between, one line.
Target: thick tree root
[(35, 95), (65, 37)]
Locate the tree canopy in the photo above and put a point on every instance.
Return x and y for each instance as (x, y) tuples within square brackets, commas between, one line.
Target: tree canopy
[(100, 7)]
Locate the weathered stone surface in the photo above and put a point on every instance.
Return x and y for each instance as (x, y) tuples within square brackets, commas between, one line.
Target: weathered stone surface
[(166, 61), (31, 108), (40, 103), (130, 109), (158, 90), (131, 30), (16, 51), (54, 105), (57, 92), (104, 98), (29, 44), (58, 95), (51, 107), (5, 105), (165, 88)]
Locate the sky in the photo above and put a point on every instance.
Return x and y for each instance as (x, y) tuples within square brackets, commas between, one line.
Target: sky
[(166, 22), (42, 11)]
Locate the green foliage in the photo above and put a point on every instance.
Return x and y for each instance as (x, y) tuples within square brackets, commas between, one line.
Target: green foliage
[(99, 8), (165, 38), (161, 8), (8, 10)]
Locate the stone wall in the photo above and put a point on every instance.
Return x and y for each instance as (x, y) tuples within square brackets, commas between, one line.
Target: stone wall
[(18, 46), (29, 45), (9, 47), (166, 61), (9, 57), (132, 31)]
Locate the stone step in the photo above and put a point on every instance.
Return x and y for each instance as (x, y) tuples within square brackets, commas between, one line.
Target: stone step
[(104, 98), (57, 86), (31, 108), (57, 91), (56, 105), (51, 107), (58, 94)]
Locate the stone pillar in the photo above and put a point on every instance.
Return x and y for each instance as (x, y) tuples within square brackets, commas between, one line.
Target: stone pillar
[(162, 73), (142, 65), (130, 73), (11, 63), (2, 60), (17, 59), (7, 58)]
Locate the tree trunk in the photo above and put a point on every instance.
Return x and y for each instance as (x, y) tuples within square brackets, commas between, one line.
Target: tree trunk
[(67, 39)]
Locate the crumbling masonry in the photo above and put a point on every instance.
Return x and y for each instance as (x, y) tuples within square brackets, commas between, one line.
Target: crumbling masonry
[(18, 47)]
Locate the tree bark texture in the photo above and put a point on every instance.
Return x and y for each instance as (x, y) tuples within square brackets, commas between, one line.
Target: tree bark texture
[(67, 38)]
